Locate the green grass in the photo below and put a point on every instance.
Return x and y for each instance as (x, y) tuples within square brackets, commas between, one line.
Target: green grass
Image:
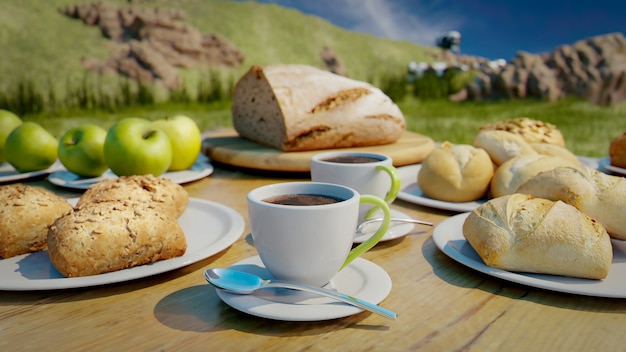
[(42, 50), (587, 128)]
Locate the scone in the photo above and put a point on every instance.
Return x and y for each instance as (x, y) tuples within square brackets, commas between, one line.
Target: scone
[(617, 151), (526, 234), (25, 214), (455, 173), (158, 191), (114, 235), (533, 131)]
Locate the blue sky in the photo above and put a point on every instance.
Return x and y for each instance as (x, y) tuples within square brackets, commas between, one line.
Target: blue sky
[(492, 29)]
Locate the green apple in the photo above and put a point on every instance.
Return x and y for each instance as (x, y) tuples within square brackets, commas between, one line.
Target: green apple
[(135, 146), (81, 150), (29, 147), (8, 121), (185, 140)]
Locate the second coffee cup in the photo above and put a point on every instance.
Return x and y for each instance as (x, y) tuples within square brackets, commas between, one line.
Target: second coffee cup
[(367, 173)]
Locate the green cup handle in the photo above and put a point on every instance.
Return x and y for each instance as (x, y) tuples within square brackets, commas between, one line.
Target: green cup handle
[(393, 191), (372, 241)]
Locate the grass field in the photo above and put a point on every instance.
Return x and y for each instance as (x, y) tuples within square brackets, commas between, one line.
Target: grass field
[(587, 128), (42, 49)]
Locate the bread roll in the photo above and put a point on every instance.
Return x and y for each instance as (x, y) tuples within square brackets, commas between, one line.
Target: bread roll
[(533, 131), (521, 233), (617, 151), (502, 145), (456, 173), (516, 171), (109, 236), (596, 194), (555, 150), (25, 214), (159, 191), (299, 107)]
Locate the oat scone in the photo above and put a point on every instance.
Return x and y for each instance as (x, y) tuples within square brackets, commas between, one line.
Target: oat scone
[(109, 236), (25, 214), (157, 191)]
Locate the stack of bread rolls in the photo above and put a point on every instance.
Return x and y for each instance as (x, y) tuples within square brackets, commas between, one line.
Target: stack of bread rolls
[(548, 213), (117, 224)]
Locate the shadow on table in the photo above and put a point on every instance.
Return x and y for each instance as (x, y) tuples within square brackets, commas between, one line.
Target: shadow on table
[(458, 275), (199, 309)]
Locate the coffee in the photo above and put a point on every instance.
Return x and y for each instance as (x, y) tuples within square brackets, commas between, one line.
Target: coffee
[(302, 199), (352, 159)]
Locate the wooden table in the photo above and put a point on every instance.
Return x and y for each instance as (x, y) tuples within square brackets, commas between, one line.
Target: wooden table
[(442, 305)]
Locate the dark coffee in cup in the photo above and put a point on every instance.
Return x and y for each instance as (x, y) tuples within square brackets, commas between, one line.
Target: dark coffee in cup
[(352, 159), (302, 199)]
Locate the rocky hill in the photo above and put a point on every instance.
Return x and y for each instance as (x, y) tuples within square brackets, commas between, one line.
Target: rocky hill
[(593, 69), (150, 43)]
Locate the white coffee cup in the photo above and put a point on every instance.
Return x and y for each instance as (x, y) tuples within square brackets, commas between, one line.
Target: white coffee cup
[(375, 175), (309, 243)]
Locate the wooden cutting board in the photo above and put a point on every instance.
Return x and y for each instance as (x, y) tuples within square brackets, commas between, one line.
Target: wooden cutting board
[(230, 149)]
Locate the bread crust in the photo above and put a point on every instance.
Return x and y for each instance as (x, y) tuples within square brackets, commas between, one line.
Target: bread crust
[(456, 173), (107, 236), (158, 191), (521, 233), (25, 214), (502, 145), (299, 107), (510, 175), (533, 131), (595, 193)]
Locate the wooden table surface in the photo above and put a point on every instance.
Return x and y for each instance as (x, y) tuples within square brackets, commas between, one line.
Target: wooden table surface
[(442, 305)]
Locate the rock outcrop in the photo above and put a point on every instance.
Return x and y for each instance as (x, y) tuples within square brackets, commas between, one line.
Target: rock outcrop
[(148, 44), (593, 69)]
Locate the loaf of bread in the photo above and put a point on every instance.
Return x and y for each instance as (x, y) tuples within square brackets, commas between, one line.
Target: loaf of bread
[(299, 107), (108, 236), (533, 131), (510, 175), (502, 145), (158, 191), (25, 214), (595, 193), (455, 173), (617, 151), (521, 233)]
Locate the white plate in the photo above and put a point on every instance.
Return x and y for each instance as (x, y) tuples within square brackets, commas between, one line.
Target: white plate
[(209, 228), (411, 192), (361, 278), (394, 231), (9, 174), (200, 169), (448, 237), (606, 163)]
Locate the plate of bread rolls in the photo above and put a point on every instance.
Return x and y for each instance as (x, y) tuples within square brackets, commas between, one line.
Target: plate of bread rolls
[(120, 229), (461, 177), (449, 238)]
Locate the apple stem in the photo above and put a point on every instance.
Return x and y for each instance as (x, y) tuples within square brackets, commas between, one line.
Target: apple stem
[(149, 134)]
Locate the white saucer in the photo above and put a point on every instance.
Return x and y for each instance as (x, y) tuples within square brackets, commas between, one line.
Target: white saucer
[(396, 230), (362, 279), (64, 178), (606, 164)]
